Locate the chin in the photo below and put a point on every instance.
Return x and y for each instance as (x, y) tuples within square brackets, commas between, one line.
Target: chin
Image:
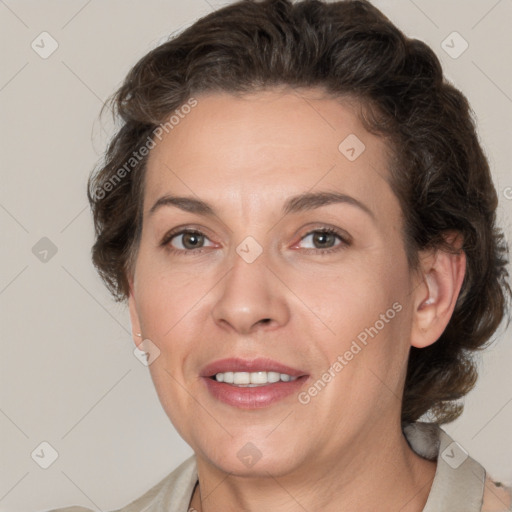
[(251, 456), (262, 468)]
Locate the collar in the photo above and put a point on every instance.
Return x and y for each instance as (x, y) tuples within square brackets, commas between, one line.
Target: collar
[(458, 484)]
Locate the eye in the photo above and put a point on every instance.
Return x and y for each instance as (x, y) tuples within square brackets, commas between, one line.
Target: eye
[(186, 240), (325, 240), (192, 241)]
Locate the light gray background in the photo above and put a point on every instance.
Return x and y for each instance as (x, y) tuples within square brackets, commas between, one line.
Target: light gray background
[(68, 373)]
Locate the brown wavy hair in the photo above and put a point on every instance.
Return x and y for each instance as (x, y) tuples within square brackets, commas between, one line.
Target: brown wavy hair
[(438, 172)]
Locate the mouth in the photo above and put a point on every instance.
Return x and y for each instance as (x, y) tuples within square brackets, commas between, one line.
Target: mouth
[(258, 365), (252, 379), (251, 384)]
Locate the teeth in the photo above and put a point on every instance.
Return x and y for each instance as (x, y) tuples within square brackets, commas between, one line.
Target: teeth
[(252, 379)]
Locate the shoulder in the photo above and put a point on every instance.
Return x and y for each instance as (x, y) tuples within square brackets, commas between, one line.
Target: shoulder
[(497, 497), (71, 509), (172, 493), (450, 487)]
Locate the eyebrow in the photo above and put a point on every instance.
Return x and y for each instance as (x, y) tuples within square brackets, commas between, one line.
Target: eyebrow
[(295, 204)]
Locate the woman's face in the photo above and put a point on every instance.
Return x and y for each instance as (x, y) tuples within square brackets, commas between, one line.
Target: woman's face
[(253, 265)]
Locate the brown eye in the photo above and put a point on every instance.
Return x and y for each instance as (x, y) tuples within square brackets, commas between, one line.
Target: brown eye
[(192, 240), (187, 240), (324, 240)]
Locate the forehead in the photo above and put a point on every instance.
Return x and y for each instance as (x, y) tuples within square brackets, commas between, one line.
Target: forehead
[(268, 145)]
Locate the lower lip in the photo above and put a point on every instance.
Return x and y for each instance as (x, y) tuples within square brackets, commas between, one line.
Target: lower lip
[(255, 397)]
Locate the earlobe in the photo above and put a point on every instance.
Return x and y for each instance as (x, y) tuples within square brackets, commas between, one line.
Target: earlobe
[(436, 296)]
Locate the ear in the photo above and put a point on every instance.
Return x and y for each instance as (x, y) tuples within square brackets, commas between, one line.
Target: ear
[(437, 291), (134, 316)]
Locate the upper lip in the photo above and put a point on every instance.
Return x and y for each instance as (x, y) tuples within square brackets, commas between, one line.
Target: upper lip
[(260, 364)]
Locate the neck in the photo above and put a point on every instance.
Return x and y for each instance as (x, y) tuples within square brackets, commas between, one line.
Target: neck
[(378, 472)]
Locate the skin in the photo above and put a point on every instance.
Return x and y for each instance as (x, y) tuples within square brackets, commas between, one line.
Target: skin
[(245, 157)]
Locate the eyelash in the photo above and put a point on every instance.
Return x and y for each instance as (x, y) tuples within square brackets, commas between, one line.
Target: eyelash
[(345, 241)]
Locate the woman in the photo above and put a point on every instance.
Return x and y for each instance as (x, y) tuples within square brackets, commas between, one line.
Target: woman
[(302, 220)]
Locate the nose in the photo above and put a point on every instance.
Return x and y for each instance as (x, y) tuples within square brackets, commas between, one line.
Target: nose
[(251, 298)]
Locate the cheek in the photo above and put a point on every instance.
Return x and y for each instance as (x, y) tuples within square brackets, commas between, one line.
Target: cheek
[(351, 298), (366, 310), (166, 298), (168, 305)]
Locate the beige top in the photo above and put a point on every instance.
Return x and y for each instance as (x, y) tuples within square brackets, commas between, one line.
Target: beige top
[(460, 483)]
